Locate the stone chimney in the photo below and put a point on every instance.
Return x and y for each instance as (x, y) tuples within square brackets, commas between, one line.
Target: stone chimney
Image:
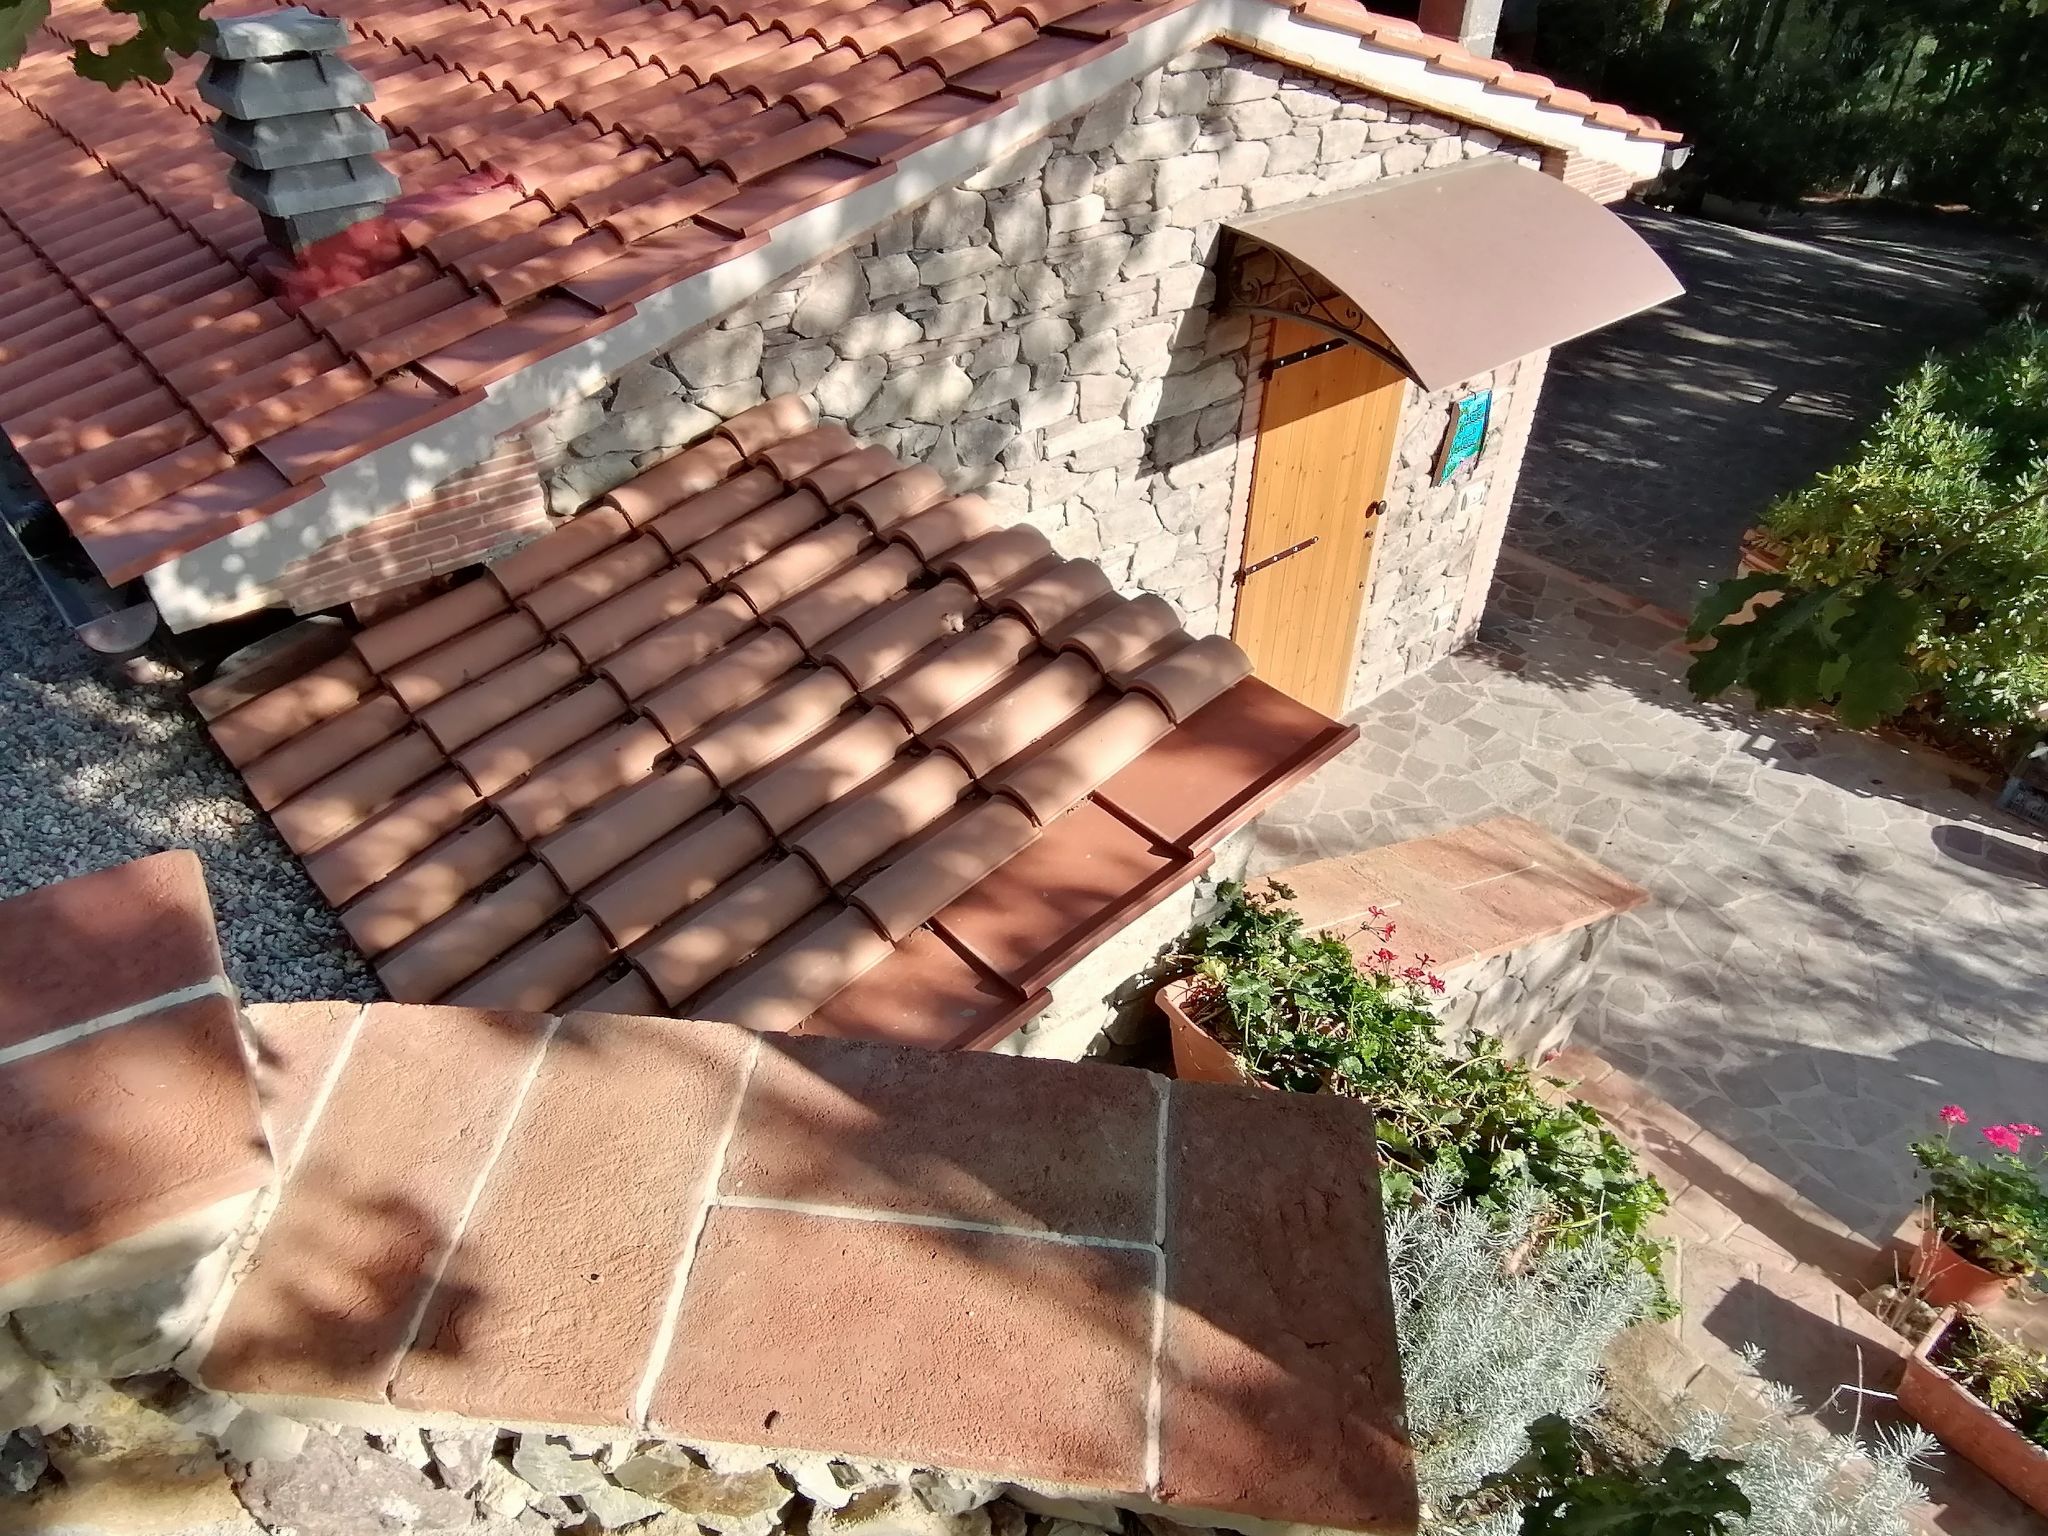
[(291, 115), (1473, 23)]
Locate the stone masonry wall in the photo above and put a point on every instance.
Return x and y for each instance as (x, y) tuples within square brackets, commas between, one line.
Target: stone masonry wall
[(1431, 536), (1042, 334)]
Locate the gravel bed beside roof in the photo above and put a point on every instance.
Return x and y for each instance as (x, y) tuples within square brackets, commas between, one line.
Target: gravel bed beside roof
[(94, 775)]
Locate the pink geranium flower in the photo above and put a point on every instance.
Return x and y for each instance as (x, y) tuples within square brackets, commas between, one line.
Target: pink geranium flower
[(1953, 1114), (2024, 1129), (2003, 1137)]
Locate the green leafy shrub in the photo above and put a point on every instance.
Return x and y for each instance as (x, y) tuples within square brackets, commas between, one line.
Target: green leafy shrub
[(1569, 1489), (1300, 1014), (2003, 1374), (1916, 571), (1995, 1212)]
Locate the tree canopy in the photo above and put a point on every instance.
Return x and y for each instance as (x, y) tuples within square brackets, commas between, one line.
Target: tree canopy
[(164, 30)]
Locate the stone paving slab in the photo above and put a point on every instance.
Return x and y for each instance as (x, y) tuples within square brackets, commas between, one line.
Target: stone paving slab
[(1081, 1278), (1830, 953)]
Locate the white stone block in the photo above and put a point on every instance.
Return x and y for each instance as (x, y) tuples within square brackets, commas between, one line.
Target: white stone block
[(847, 387), (1045, 338), (1067, 177), (1193, 391), (1175, 179), (1236, 84), (1158, 251), (832, 296), (1044, 408), (876, 334), (641, 384), (1021, 226), (1259, 119), (934, 393), (952, 218), (888, 276), (1082, 212), (1157, 140), (951, 266)]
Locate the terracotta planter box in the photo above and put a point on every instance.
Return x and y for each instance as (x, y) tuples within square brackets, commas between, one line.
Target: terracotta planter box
[(1198, 1056), (1947, 1279), (1955, 1418)]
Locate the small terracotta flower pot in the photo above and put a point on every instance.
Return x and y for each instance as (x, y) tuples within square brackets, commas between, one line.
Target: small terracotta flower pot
[(1198, 1056), (1947, 1279), (1946, 1410)]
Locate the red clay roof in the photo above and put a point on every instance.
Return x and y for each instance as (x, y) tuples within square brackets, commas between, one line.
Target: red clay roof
[(581, 155), (781, 734)]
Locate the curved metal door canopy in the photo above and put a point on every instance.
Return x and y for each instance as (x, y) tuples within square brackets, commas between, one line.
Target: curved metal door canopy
[(1446, 274)]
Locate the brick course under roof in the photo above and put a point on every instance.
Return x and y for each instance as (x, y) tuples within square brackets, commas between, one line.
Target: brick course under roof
[(561, 160), (781, 734)]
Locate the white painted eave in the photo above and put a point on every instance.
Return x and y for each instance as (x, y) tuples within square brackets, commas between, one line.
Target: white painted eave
[(233, 573)]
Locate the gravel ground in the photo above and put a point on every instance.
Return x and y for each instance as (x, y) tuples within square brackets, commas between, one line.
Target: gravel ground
[(94, 775)]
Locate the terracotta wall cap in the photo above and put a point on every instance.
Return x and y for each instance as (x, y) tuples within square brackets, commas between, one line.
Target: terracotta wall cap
[(689, 473), (902, 895), (902, 804), (771, 422)]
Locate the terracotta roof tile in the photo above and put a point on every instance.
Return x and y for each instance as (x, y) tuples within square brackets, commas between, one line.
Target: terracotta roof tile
[(683, 739)]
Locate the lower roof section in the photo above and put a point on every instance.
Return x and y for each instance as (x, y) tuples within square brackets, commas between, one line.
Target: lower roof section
[(781, 734)]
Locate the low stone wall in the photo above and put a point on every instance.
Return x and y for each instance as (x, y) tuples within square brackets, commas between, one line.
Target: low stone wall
[(1510, 919), (1526, 998)]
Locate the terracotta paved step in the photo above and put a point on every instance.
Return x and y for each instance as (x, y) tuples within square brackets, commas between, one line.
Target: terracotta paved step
[(1083, 1276), (129, 1135)]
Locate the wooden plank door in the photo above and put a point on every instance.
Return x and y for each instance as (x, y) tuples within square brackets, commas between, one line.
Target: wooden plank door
[(1325, 447)]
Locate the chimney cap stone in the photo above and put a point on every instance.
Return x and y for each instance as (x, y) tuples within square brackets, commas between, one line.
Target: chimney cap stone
[(273, 34)]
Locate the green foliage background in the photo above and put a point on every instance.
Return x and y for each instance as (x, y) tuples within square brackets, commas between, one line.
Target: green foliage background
[(1918, 569)]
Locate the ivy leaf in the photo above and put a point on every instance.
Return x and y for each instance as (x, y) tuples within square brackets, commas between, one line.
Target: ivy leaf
[(18, 22)]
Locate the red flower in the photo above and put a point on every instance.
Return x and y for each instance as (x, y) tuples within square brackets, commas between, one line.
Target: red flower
[(1436, 983), (2024, 1129), (1952, 1114), (1384, 956), (2003, 1137)]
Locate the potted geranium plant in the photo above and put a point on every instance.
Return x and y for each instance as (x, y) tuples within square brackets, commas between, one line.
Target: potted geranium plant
[(1985, 1397), (1984, 1223)]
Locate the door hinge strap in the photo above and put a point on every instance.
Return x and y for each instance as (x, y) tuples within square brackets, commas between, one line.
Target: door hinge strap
[(1275, 364), (1273, 559)]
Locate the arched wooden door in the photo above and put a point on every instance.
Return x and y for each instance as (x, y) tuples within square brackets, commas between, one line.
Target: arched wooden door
[(1327, 431)]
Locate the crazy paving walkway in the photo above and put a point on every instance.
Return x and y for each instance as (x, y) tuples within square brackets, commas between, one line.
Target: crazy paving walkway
[(1839, 941)]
